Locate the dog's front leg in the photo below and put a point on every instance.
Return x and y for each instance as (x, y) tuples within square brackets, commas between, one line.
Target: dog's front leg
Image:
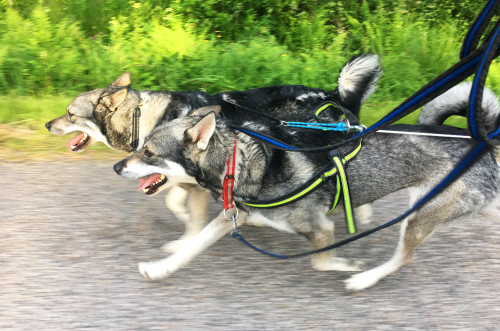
[(195, 221), (217, 228), (176, 202)]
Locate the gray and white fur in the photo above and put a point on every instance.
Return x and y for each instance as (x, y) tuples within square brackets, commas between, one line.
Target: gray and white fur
[(105, 115), (197, 148)]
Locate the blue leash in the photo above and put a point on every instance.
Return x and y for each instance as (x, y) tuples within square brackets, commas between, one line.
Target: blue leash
[(481, 58), (478, 27)]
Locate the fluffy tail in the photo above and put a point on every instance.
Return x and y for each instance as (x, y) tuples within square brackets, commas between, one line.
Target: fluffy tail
[(455, 102), (357, 81)]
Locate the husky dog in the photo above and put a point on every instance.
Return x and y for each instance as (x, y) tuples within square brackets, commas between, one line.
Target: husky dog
[(196, 149), (106, 115)]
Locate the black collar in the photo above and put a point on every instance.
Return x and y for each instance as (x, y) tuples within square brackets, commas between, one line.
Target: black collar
[(135, 128)]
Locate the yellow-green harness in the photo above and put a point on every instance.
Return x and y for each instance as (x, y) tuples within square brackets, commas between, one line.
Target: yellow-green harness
[(337, 169)]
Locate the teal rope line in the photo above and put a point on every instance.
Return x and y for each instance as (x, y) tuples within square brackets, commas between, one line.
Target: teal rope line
[(341, 126)]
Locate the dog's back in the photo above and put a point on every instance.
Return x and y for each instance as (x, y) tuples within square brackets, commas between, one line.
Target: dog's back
[(356, 82)]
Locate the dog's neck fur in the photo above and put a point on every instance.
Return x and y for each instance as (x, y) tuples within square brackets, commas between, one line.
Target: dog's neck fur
[(254, 178), (152, 111), (248, 153), (156, 107)]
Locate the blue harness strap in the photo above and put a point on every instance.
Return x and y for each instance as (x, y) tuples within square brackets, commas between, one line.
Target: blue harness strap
[(478, 27), (476, 95), (477, 60)]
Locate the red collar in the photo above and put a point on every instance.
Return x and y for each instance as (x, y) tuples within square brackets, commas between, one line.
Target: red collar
[(227, 189)]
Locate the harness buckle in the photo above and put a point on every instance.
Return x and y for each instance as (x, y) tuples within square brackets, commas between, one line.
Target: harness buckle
[(233, 218), (137, 112), (334, 153)]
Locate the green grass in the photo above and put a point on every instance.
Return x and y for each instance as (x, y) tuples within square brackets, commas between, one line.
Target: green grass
[(175, 49), (31, 111)]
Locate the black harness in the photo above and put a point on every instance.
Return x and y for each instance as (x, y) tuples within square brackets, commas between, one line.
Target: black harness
[(334, 169)]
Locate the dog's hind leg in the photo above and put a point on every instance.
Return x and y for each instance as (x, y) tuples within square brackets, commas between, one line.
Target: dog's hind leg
[(217, 228), (364, 213), (414, 230), (196, 220), (401, 257)]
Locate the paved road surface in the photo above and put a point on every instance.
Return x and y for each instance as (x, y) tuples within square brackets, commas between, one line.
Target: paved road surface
[(73, 232)]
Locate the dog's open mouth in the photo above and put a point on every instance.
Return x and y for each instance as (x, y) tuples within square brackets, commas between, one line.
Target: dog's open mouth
[(79, 143), (151, 184)]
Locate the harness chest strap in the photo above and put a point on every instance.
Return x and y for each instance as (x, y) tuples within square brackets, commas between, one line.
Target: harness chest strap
[(343, 185), (336, 169)]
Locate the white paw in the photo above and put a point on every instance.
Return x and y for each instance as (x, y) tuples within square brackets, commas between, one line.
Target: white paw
[(338, 264), (154, 270), (173, 246), (361, 281)]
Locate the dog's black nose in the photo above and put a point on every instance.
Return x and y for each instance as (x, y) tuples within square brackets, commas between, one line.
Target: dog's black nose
[(48, 125), (118, 167)]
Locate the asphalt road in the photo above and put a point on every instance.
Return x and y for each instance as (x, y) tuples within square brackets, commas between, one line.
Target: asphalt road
[(73, 232)]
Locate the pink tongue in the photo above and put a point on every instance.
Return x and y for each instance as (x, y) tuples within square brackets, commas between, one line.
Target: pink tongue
[(145, 182), (73, 142)]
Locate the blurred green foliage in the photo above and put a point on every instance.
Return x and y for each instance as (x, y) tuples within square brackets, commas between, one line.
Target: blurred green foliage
[(67, 46)]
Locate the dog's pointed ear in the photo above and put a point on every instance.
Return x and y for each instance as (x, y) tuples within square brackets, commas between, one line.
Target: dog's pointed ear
[(114, 99), (201, 133), (206, 110), (123, 81)]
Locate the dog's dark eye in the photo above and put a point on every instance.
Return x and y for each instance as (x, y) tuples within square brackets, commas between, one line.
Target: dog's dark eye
[(148, 153)]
